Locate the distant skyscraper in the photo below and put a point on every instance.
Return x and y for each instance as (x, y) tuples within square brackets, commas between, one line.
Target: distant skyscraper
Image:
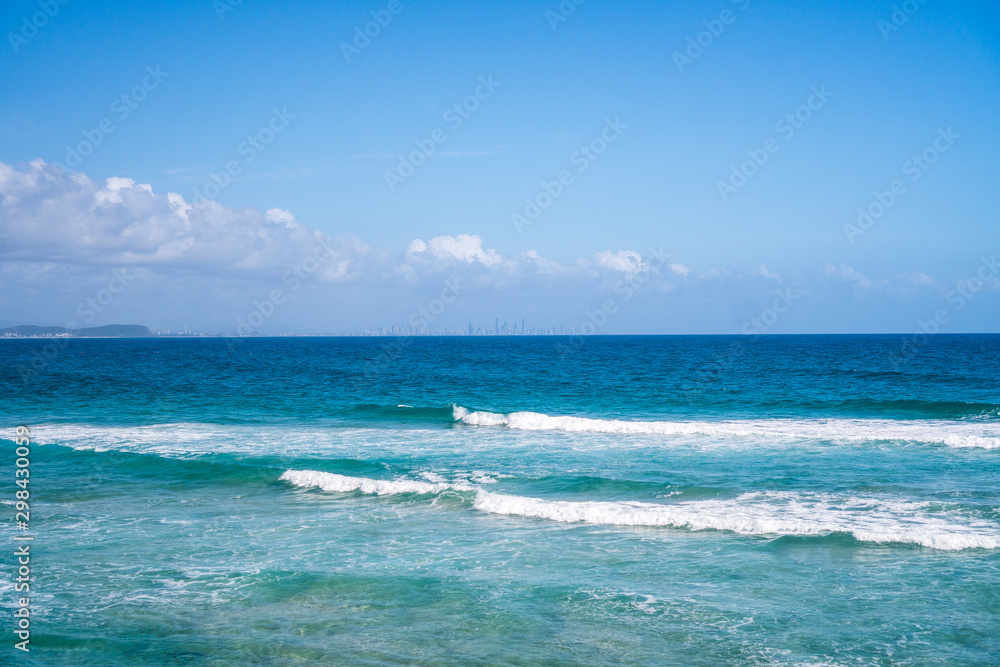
[(496, 325), (470, 328), (522, 326)]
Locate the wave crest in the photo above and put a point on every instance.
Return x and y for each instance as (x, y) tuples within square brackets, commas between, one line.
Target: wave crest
[(328, 481), (951, 434), (771, 513)]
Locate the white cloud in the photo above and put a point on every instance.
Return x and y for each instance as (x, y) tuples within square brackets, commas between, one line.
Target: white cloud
[(763, 272), (464, 247), (916, 279), (416, 246), (279, 216), (848, 275), (542, 265), (49, 215), (626, 261)]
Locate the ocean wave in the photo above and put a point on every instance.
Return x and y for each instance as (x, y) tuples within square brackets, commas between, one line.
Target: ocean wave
[(332, 482), (770, 513), (194, 439), (949, 433), (191, 439)]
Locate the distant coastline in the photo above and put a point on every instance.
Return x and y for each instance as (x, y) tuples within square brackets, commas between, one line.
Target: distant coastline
[(106, 331), (23, 332)]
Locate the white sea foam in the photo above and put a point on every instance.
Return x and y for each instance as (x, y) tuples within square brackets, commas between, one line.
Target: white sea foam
[(770, 513), (950, 433), (774, 513), (328, 481), (192, 439)]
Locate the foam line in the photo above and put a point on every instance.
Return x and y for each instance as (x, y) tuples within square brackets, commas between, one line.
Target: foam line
[(771, 513), (328, 481), (949, 433)]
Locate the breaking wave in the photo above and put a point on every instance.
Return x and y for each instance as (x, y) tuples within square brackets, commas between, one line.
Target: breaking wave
[(771, 513), (949, 433)]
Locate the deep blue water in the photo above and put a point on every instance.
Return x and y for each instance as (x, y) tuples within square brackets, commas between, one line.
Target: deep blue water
[(508, 501)]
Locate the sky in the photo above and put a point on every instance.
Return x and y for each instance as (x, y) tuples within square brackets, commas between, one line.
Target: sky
[(702, 167)]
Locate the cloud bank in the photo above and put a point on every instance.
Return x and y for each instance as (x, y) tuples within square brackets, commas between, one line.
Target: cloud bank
[(50, 216), (61, 234)]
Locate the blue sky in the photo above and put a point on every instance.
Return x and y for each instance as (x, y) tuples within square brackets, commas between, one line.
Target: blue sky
[(888, 95)]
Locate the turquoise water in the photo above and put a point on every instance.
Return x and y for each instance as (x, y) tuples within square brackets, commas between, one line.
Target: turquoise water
[(508, 501)]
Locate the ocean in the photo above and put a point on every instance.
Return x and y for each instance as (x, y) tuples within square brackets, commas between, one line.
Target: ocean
[(646, 500)]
